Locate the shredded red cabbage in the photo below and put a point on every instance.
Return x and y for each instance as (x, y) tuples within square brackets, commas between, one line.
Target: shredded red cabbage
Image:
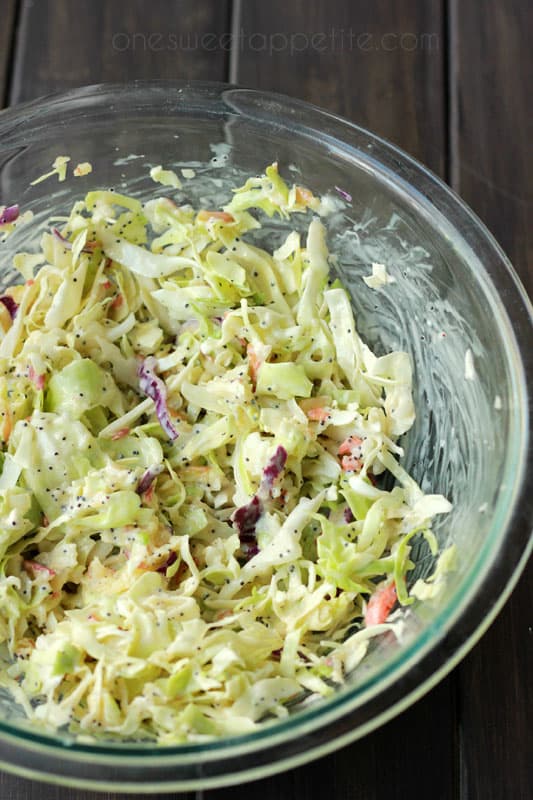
[(168, 563), (246, 517), (249, 549), (10, 304), (272, 470), (64, 241), (9, 214), (343, 194), (148, 477), (88, 247), (154, 388)]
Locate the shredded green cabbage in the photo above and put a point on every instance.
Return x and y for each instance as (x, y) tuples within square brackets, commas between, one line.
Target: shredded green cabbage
[(191, 532)]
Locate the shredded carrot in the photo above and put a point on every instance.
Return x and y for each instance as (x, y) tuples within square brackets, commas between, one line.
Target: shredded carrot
[(36, 379), (120, 434), (253, 363), (35, 567), (349, 445), (380, 605), (148, 494), (304, 196), (117, 301), (223, 216), (351, 464), (318, 414)]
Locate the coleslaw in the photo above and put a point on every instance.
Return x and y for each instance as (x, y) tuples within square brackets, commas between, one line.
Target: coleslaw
[(193, 531)]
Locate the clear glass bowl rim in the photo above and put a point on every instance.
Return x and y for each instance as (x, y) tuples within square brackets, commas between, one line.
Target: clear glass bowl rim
[(351, 713)]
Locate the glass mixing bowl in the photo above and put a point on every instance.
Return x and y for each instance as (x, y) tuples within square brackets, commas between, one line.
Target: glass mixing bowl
[(455, 293)]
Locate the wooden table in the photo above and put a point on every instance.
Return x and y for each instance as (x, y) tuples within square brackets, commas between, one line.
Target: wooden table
[(445, 80)]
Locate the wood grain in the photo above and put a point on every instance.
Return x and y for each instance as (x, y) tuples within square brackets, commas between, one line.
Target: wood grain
[(378, 62), (496, 703), (14, 788), (7, 24), (492, 123), (62, 44), (491, 167), (407, 759)]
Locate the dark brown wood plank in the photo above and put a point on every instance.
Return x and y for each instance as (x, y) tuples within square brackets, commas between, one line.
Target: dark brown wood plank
[(7, 25), (378, 62), (492, 123), (491, 167), (496, 702), (62, 44), (14, 788), (410, 758)]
